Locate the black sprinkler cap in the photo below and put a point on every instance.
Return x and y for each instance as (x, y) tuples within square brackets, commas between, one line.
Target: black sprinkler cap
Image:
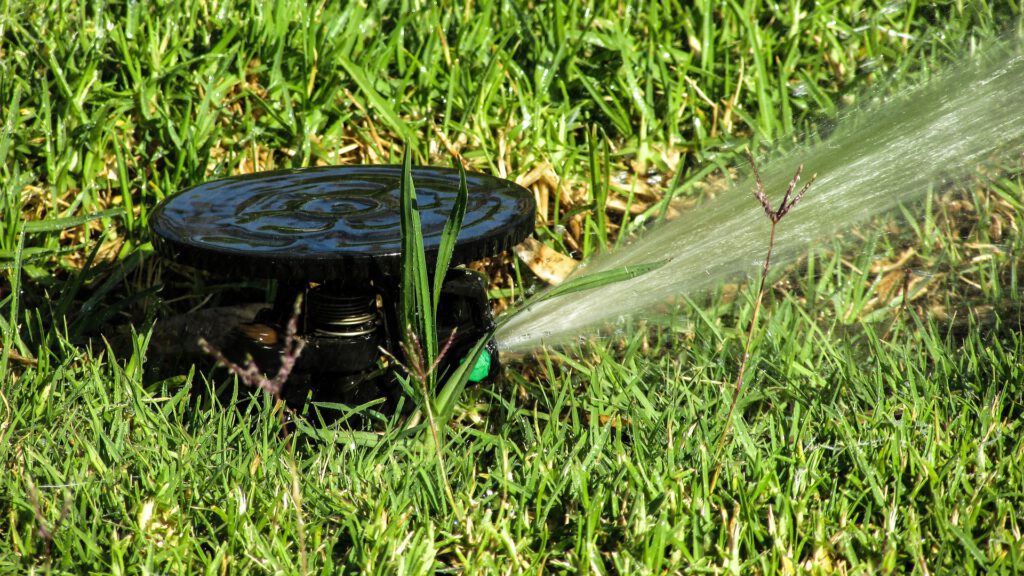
[(333, 223)]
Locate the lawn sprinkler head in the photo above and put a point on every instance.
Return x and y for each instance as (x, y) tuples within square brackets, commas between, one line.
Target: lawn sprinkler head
[(333, 236)]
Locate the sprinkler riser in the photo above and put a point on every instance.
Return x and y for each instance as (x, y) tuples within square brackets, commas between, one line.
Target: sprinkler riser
[(351, 367)]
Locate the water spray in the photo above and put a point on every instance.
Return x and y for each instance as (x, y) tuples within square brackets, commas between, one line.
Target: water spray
[(873, 161)]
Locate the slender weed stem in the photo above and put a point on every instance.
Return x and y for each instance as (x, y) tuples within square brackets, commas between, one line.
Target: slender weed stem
[(775, 216), (415, 366), (252, 376)]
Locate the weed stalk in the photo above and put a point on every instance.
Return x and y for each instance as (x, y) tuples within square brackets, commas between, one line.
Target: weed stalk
[(416, 367), (774, 216), (252, 376)]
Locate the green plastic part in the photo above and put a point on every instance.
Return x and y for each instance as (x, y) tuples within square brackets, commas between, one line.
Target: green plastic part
[(482, 367)]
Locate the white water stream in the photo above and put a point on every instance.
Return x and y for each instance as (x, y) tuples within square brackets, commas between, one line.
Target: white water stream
[(873, 161)]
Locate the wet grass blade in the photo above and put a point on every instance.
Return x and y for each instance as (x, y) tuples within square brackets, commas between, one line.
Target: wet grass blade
[(10, 335), (448, 397), (377, 102), (448, 238), (10, 126), (599, 279), (599, 182), (415, 285), (58, 224)]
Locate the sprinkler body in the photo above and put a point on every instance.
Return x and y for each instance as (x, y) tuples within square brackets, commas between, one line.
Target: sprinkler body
[(332, 235)]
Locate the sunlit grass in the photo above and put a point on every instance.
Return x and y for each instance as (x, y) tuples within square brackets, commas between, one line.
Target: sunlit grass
[(880, 430)]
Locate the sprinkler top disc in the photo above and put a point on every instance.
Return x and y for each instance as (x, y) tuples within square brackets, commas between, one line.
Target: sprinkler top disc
[(333, 223)]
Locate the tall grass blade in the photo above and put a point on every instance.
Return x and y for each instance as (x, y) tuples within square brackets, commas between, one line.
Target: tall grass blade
[(599, 186), (449, 236), (415, 285)]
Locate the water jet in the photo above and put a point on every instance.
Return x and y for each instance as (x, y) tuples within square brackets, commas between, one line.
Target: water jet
[(873, 161)]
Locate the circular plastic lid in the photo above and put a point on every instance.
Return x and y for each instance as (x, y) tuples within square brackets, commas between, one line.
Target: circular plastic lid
[(333, 223)]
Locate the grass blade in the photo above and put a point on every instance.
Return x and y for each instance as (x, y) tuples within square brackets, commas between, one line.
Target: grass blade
[(599, 279), (599, 186), (377, 102), (448, 396), (58, 224), (449, 236), (10, 336), (415, 284), (10, 125)]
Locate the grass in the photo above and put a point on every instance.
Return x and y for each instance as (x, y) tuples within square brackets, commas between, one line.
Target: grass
[(880, 430)]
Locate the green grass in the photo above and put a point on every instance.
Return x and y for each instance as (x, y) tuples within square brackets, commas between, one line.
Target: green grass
[(874, 434)]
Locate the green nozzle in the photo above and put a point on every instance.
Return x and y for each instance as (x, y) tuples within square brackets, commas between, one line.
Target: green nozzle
[(482, 367)]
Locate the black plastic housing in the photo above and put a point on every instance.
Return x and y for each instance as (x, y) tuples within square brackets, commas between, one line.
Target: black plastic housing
[(333, 234)]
